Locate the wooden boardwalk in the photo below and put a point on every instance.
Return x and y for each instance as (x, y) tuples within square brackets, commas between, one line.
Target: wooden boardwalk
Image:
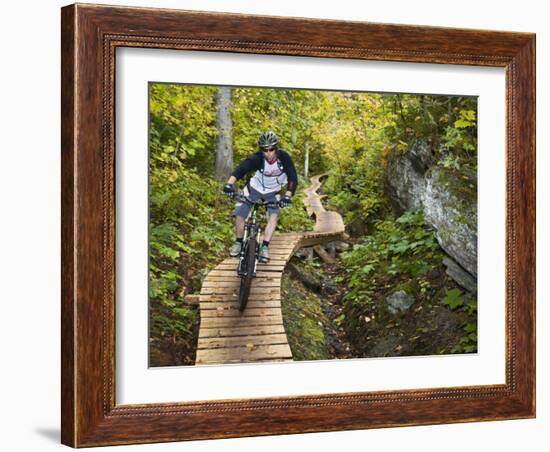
[(257, 334)]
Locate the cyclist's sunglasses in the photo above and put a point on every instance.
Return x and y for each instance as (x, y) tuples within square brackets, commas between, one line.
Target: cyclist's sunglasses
[(272, 148)]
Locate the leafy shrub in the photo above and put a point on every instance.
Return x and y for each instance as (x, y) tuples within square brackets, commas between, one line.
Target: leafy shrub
[(404, 249)]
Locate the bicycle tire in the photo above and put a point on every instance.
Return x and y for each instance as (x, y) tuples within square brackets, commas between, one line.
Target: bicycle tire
[(246, 280)]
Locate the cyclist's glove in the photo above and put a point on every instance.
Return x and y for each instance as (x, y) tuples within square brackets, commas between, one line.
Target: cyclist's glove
[(229, 190), (285, 201)]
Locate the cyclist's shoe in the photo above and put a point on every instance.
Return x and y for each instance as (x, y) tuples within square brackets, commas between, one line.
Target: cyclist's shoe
[(264, 253), (235, 250)]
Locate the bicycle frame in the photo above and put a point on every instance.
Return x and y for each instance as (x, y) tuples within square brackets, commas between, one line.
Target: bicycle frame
[(251, 230), (248, 258)]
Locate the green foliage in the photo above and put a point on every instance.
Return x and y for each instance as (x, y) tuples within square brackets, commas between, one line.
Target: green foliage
[(456, 300), (447, 120), (290, 113), (182, 126), (405, 249), (295, 218), (471, 307), (468, 342), (453, 299), (188, 228), (354, 146), (172, 322)]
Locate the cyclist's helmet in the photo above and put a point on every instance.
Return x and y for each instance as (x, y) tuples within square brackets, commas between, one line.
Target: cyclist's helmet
[(268, 139)]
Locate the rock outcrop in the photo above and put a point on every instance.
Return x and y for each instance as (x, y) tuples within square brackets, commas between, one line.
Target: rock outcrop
[(448, 198)]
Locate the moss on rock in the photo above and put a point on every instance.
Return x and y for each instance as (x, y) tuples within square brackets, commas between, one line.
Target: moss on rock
[(304, 322)]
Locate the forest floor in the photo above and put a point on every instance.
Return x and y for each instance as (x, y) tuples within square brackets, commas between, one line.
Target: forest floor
[(175, 350), (311, 317), (319, 325)]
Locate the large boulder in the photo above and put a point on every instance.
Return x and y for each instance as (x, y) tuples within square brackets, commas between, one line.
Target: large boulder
[(461, 276), (448, 198), (405, 176), (453, 215)]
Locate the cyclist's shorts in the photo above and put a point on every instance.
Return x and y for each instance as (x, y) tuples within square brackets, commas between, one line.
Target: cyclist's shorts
[(242, 209)]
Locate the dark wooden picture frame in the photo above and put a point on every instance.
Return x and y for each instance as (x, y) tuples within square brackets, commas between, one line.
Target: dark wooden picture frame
[(90, 36)]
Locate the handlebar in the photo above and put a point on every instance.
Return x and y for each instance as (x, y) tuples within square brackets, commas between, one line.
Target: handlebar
[(240, 197)]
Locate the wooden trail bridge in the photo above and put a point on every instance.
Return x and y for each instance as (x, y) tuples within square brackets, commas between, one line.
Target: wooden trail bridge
[(257, 334)]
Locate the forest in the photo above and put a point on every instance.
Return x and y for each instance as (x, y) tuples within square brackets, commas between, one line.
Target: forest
[(401, 170)]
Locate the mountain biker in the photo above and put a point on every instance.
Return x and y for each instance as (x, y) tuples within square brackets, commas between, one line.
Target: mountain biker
[(274, 169)]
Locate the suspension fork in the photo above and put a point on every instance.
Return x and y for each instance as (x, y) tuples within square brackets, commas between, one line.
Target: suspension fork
[(251, 228)]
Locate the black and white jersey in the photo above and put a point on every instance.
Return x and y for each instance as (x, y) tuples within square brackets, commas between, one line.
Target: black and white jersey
[(269, 177)]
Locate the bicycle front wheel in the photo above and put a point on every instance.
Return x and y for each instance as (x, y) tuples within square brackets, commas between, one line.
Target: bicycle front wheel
[(246, 280)]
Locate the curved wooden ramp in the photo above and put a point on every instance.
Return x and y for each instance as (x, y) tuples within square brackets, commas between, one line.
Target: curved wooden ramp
[(229, 336)]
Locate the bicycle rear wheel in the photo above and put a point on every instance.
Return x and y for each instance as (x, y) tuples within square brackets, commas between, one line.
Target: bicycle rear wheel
[(246, 281)]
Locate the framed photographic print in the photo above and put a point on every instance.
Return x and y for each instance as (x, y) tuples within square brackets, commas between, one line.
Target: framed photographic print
[(329, 227)]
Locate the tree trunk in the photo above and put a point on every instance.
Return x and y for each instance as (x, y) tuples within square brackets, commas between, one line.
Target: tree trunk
[(306, 163), (307, 278), (322, 253), (224, 150)]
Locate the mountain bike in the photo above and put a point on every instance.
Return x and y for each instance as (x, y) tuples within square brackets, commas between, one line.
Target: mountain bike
[(250, 251)]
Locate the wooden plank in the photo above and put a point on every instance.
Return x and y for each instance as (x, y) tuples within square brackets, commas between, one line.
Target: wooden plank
[(233, 322), (235, 290), (192, 299), (246, 341), (230, 311), (273, 261), (280, 258), (226, 273), (256, 282), (262, 267), (257, 286), (286, 238), (220, 278), (233, 276), (265, 281), (283, 243), (223, 280), (279, 239), (271, 267), (234, 297), (316, 240), (243, 354), (241, 331), (236, 282), (207, 305), (230, 260)]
